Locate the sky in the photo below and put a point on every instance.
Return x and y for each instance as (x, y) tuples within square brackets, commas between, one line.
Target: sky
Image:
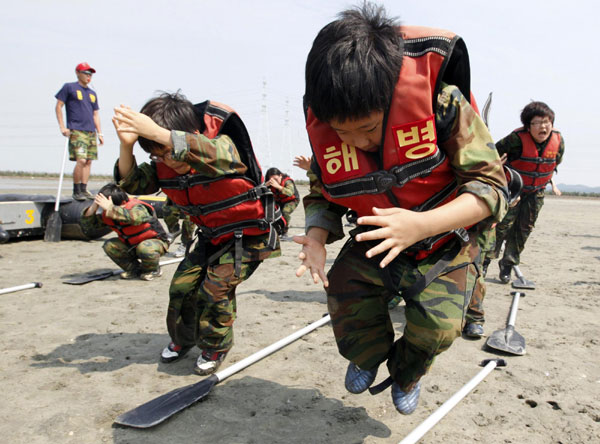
[(251, 55)]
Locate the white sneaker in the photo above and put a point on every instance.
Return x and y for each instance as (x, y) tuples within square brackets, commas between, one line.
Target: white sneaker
[(208, 363), (180, 252)]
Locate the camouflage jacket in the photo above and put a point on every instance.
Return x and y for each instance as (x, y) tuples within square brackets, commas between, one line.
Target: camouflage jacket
[(212, 158), (137, 215), (464, 138)]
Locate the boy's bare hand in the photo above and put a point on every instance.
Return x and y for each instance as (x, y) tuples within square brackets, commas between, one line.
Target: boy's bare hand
[(302, 162), (103, 202), (313, 256), (399, 229), (126, 139), (129, 121)]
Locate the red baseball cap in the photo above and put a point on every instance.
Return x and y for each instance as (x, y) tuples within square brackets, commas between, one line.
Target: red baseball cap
[(84, 67)]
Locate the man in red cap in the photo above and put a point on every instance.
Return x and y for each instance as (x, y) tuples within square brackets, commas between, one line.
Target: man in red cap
[(83, 125)]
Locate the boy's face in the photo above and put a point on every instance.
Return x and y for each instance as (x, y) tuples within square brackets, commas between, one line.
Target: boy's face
[(540, 128), (163, 155), (364, 133)]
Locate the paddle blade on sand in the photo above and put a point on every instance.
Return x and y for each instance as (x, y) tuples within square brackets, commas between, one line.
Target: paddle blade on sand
[(53, 228), (521, 282), (156, 411), (507, 340)]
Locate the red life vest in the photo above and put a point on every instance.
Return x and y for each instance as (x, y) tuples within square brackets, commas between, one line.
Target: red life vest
[(134, 234), (281, 198), (228, 204), (535, 169), (411, 171)]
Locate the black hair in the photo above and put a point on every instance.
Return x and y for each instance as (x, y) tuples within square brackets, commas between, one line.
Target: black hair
[(353, 65), (171, 111), (272, 172), (536, 109), (116, 193)]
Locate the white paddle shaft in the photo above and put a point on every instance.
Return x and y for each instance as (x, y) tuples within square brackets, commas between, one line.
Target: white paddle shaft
[(435, 417), (20, 287), (62, 173), (270, 349)]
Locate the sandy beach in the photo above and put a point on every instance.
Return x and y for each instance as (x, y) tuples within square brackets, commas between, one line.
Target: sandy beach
[(76, 357)]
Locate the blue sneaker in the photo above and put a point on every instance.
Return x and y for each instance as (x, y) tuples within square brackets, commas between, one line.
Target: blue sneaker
[(357, 380), (406, 403), (473, 330)]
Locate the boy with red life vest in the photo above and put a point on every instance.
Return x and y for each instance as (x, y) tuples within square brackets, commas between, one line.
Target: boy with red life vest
[(395, 139), (141, 238), (285, 192), (534, 151), (202, 159)]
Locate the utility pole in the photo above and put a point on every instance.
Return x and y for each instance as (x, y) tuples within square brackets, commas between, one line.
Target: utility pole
[(264, 138)]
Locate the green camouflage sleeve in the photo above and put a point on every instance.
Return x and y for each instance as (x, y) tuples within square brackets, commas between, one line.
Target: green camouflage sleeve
[(465, 139), (141, 179), (510, 145), (92, 223), (289, 188), (319, 212), (209, 157), (137, 215)]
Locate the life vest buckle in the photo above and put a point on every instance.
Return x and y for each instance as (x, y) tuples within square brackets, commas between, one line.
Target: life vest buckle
[(182, 182), (384, 180)]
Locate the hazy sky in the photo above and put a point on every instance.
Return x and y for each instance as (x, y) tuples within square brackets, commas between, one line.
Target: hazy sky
[(251, 54)]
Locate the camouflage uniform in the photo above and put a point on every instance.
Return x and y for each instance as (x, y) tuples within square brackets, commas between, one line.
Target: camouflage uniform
[(202, 292), (83, 145), (475, 313), (288, 208), (518, 223), (171, 216), (359, 291), (143, 257)]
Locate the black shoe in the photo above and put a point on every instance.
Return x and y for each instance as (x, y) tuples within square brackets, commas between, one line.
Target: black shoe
[(485, 265), (473, 330), (505, 273)]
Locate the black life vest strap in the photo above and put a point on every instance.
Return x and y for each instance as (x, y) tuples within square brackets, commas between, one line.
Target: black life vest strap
[(185, 181), (537, 159), (202, 210), (382, 181), (535, 174)]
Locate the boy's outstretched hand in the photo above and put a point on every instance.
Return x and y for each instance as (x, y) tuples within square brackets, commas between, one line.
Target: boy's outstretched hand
[(399, 229), (313, 257), (128, 121)]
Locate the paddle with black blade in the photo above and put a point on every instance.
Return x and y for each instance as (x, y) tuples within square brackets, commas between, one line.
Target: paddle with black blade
[(508, 340), (520, 281), (90, 277), (54, 223), (156, 411)]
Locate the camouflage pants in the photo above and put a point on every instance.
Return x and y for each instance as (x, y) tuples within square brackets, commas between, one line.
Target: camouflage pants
[(83, 145), (475, 313), (358, 296), (171, 216), (286, 211), (516, 227), (202, 305), (143, 256)]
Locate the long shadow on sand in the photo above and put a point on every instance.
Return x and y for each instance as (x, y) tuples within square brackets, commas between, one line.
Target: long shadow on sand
[(112, 351), (251, 410)]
